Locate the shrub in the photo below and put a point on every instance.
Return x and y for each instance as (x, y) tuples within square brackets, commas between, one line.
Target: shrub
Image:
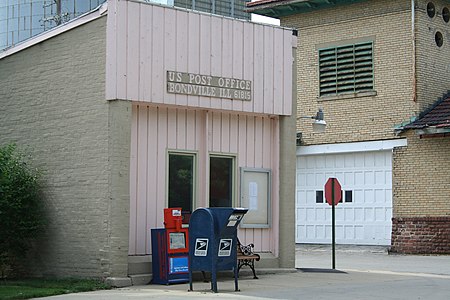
[(21, 207)]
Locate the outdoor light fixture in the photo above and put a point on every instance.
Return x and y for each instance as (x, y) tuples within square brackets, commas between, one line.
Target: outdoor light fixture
[(319, 123)]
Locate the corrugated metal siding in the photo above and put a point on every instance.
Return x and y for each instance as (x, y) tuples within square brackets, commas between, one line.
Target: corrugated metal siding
[(144, 41), (156, 130)]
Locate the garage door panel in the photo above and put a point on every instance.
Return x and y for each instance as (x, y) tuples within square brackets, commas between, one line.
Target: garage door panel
[(349, 178), (311, 162), (359, 178), (320, 232), (359, 214), (389, 214), (349, 215), (301, 162), (320, 164), (365, 218), (301, 180), (321, 215), (369, 215), (310, 197), (380, 214), (380, 196), (310, 215), (388, 196), (301, 214), (349, 160), (339, 214), (369, 178), (310, 232), (339, 230), (301, 198), (320, 177), (389, 178), (359, 161), (369, 196), (369, 160), (310, 180), (358, 198), (330, 162), (380, 177), (339, 161)]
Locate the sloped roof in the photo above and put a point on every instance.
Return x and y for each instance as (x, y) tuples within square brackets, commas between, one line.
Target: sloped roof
[(437, 116), (280, 8)]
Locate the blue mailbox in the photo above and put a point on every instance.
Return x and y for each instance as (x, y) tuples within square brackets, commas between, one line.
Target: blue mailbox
[(212, 240)]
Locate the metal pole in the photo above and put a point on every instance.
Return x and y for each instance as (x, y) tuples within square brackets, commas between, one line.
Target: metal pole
[(333, 243)]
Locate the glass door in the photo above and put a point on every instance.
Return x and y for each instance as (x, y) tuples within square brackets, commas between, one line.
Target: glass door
[(221, 178)]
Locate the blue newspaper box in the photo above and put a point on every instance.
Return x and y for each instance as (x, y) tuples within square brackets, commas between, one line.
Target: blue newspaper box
[(212, 240)]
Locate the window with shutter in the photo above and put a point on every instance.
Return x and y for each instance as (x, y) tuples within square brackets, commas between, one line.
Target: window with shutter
[(346, 69)]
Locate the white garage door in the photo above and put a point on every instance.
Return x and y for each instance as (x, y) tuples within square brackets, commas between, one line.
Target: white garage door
[(364, 216)]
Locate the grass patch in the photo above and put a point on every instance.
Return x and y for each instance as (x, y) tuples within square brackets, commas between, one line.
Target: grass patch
[(33, 288)]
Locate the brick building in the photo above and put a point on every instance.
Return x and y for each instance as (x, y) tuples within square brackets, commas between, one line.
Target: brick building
[(108, 105), (373, 67)]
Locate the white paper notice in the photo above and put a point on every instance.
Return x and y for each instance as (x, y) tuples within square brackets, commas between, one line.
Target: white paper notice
[(253, 189), (252, 196), (253, 203)]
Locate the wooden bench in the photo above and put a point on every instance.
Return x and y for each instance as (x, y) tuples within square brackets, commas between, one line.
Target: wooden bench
[(246, 257)]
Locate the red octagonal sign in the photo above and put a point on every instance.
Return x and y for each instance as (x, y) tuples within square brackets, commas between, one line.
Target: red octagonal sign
[(333, 185)]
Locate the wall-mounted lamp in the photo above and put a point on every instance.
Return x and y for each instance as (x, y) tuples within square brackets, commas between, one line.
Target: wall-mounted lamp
[(319, 123)]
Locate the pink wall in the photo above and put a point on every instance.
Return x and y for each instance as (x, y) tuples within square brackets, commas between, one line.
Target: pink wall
[(144, 41), (252, 139)]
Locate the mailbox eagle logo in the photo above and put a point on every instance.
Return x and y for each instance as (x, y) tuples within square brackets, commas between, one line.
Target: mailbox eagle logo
[(201, 247), (225, 247)]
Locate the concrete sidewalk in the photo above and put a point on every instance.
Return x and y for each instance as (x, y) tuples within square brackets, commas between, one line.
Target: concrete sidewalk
[(370, 258), (361, 273)]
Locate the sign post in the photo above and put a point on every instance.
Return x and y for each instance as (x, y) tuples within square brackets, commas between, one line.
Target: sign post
[(333, 195)]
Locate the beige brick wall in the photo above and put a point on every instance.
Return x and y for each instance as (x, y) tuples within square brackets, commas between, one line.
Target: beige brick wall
[(53, 103), (388, 24), (433, 62), (421, 177)]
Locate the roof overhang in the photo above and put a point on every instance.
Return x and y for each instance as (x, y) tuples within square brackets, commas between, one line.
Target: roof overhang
[(282, 8), (433, 130)]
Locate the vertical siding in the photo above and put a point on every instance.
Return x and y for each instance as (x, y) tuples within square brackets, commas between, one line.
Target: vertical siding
[(253, 140), (145, 41)]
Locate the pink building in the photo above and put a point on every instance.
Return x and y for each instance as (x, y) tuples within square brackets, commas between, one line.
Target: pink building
[(197, 111)]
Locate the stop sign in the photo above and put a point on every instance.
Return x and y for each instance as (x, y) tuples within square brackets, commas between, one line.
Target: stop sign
[(333, 191)]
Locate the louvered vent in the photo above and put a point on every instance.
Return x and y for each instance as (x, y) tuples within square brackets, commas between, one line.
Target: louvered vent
[(346, 69)]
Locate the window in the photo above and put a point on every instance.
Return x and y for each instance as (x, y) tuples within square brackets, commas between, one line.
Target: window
[(445, 14), (181, 181), (221, 171), (439, 39), (319, 196), (348, 196), (431, 9), (346, 69)]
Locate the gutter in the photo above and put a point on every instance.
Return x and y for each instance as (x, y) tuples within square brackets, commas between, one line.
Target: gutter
[(413, 36)]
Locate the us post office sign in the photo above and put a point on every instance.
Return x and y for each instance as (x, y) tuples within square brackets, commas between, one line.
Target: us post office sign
[(208, 86)]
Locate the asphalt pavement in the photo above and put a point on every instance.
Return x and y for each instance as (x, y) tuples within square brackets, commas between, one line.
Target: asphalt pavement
[(362, 272)]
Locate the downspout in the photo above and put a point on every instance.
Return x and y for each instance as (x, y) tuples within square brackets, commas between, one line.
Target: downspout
[(413, 35)]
